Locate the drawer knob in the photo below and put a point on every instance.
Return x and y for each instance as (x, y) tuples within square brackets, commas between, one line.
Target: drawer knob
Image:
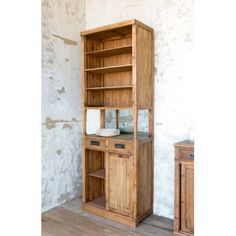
[(96, 143), (123, 156), (191, 156), (119, 145)]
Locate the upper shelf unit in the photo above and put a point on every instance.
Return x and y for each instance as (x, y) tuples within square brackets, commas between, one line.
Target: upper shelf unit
[(114, 58), (108, 68)]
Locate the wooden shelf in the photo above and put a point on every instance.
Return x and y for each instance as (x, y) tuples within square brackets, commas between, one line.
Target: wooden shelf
[(100, 202), (108, 108), (110, 69), (111, 52), (98, 174), (109, 88)]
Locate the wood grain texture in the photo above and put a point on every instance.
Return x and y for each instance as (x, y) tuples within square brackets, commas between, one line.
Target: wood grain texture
[(95, 143), (111, 51), (134, 163), (187, 198), (95, 186), (142, 137), (108, 108), (98, 173), (70, 220), (118, 74), (185, 144), (110, 69), (184, 189), (119, 167), (84, 104), (145, 178), (111, 87), (106, 28), (111, 27), (144, 67), (126, 147)]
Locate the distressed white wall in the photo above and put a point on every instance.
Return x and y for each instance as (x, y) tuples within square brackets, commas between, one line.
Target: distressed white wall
[(62, 21), (172, 21)]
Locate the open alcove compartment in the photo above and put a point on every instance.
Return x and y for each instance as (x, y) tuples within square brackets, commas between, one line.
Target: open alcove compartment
[(96, 177), (108, 60), (117, 119)]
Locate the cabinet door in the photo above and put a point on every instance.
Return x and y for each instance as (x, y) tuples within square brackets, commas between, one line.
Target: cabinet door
[(119, 170), (187, 198)]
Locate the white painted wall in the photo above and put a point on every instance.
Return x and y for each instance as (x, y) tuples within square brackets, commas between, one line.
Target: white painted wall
[(172, 22), (61, 108), (62, 21)]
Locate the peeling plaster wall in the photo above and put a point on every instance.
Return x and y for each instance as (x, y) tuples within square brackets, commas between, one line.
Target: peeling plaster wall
[(62, 21), (172, 21)]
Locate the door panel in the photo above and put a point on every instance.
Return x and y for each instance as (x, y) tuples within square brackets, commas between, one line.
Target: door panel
[(119, 183), (187, 198)]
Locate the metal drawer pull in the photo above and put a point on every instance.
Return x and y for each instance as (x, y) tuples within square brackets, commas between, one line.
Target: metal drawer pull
[(119, 145), (96, 143), (123, 156), (191, 156)]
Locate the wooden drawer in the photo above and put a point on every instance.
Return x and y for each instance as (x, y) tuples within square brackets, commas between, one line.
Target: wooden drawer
[(120, 147), (186, 154), (95, 143)]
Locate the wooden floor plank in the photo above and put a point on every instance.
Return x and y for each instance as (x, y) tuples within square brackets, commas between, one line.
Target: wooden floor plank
[(69, 220)]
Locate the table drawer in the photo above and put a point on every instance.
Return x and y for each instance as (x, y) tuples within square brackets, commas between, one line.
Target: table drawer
[(186, 154), (120, 147), (95, 143)]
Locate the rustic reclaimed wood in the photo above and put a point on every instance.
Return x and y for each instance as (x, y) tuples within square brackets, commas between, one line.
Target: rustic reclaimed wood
[(98, 173), (111, 51), (110, 69), (118, 74), (113, 87), (113, 27), (184, 189), (142, 137), (70, 220), (144, 201), (144, 67), (108, 108), (119, 183)]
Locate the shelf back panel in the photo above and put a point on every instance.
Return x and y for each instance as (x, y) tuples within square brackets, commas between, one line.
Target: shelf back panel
[(110, 98), (120, 32), (117, 42), (119, 97), (118, 79)]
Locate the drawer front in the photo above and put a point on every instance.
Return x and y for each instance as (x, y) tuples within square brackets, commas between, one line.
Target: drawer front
[(95, 143), (120, 147), (186, 154)]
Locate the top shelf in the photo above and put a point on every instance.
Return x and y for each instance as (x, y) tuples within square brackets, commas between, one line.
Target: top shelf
[(111, 52)]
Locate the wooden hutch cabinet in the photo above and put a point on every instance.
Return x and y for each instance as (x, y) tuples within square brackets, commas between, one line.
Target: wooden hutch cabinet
[(184, 189), (117, 73)]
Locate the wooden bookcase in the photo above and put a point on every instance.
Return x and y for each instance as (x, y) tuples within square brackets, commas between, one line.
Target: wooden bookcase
[(117, 73)]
